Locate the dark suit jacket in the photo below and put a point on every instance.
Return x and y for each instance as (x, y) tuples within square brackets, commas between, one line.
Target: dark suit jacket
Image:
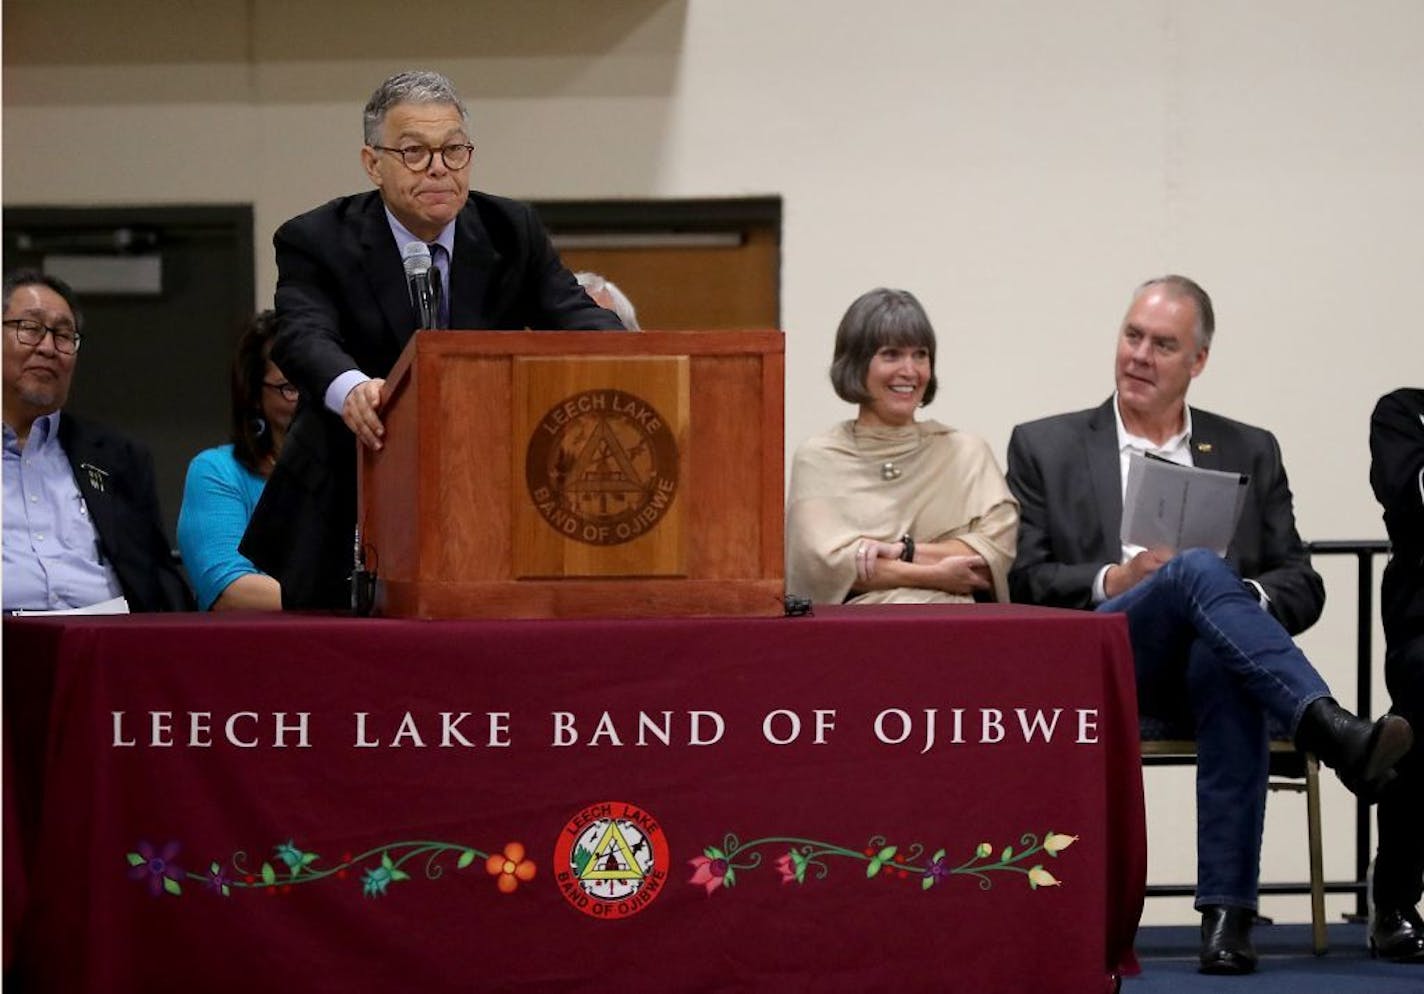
[(1065, 472), (1397, 475), (342, 304), (115, 476)]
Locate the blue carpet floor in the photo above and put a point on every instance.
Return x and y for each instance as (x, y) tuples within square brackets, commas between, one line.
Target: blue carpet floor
[(1169, 965)]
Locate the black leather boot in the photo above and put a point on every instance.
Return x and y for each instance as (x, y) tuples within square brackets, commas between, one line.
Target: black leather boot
[(1361, 754), (1397, 934), (1226, 940)]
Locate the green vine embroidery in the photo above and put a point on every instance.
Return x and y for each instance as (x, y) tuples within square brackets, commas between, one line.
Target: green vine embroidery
[(292, 867), (718, 866)]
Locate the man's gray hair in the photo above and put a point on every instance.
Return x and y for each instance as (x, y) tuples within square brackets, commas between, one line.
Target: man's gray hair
[(605, 293), (1184, 287), (414, 86)]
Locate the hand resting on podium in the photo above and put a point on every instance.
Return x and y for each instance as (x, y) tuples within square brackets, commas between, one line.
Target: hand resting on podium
[(359, 412)]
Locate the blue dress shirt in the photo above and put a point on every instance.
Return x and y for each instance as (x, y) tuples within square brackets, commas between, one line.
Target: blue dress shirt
[(52, 557)]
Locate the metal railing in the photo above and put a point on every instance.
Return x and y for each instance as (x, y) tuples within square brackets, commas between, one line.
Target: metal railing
[(1364, 551)]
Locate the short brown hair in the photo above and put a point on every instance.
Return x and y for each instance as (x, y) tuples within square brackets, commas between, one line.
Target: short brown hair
[(878, 318)]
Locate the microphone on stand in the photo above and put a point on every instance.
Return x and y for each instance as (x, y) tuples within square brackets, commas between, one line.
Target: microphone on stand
[(416, 259)]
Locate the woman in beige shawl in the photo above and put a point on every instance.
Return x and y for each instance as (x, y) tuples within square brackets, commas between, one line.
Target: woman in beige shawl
[(886, 508)]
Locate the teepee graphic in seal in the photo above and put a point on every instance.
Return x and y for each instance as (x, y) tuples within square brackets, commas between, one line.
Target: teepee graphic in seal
[(603, 480)]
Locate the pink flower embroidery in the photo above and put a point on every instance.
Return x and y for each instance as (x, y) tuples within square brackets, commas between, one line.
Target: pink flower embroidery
[(710, 873)]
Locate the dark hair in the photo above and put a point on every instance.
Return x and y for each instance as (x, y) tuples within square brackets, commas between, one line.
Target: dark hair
[(878, 318), (33, 277), (251, 436), (1182, 286)]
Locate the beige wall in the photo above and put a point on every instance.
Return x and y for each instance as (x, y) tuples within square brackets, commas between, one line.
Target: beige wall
[(1019, 165)]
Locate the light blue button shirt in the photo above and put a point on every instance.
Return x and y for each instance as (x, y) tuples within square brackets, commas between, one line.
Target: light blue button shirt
[(338, 388), (52, 557)]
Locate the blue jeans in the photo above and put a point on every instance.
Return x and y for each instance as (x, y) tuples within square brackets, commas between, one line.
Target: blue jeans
[(1206, 652)]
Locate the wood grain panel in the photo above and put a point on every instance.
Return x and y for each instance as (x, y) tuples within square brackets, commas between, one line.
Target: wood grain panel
[(387, 484), (467, 439), (727, 468), (598, 466), (643, 598), (440, 501), (694, 288)]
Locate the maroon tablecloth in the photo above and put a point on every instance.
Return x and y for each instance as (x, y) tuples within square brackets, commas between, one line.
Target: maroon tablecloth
[(197, 803)]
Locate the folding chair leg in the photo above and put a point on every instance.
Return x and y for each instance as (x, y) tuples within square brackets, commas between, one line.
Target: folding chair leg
[(1319, 943)]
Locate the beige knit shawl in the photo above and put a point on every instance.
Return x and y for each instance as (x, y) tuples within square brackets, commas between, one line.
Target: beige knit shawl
[(948, 486)]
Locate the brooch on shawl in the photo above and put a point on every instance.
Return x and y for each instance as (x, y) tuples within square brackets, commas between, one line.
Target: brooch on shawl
[(97, 477)]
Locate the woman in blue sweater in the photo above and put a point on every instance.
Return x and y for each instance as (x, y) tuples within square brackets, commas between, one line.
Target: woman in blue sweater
[(224, 483)]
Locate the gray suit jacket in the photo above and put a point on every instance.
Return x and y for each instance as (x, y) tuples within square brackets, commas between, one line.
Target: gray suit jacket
[(1065, 472)]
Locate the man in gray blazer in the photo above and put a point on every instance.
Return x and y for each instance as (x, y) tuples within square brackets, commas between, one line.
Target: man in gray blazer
[(1211, 637)]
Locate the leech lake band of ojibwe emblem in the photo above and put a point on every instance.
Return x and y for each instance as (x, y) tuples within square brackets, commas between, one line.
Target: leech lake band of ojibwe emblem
[(611, 860), (602, 467)]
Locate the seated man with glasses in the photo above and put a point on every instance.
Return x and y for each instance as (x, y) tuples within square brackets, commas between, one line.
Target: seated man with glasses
[(81, 513), (344, 312)]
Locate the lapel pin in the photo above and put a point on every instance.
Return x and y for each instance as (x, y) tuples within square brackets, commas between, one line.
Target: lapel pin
[(1203, 446), (97, 477)]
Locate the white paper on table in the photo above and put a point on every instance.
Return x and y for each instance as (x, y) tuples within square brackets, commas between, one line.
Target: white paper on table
[(114, 605), (1181, 507)]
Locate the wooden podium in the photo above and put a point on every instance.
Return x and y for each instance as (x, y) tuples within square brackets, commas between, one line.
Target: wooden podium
[(578, 474)]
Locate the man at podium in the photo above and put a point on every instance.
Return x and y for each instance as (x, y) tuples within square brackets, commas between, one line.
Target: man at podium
[(348, 299)]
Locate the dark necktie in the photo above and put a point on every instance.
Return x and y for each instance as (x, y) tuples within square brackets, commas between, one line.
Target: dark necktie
[(441, 263)]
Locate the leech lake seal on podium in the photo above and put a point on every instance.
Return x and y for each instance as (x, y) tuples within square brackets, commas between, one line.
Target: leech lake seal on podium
[(602, 467)]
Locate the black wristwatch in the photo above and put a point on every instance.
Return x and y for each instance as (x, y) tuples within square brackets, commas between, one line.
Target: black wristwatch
[(907, 554)]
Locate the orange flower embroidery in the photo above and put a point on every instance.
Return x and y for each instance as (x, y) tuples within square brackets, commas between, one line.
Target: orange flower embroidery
[(510, 867)]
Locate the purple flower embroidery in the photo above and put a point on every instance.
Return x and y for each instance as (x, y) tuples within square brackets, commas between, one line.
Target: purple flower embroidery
[(937, 872), (156, 866), (218, 880)]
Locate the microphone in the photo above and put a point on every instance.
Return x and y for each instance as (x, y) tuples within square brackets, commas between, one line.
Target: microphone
[(416, 259)]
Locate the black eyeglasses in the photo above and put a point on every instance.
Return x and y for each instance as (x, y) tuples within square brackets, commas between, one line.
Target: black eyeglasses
[(31, 332), (288, 391), (418, 157)]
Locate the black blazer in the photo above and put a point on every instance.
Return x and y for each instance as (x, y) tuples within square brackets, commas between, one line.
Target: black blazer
[(342, 304), (1397, 475), (115, 477), (1066, 474)]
